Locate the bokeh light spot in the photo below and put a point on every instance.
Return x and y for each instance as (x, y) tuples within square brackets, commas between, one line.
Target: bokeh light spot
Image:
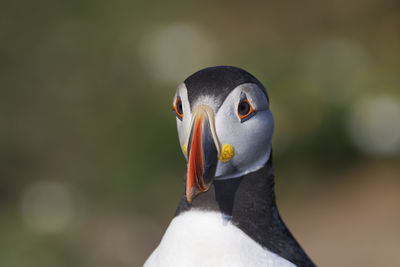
[(333, 65), (47, 206), (172, 53), (374, 125)]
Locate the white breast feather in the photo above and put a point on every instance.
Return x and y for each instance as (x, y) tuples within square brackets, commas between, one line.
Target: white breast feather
[(207, 239)]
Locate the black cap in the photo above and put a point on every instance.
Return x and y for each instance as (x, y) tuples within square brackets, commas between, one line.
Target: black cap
[(218, 82)]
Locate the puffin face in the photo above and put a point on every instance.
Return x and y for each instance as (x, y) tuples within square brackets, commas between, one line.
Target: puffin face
[(224, 126)]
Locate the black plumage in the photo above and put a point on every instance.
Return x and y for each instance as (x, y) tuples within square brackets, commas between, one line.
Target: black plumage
[(217, 82), (250, 202)]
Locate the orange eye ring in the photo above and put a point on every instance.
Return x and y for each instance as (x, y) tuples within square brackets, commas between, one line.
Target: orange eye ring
[(178, 108), (245, 109)]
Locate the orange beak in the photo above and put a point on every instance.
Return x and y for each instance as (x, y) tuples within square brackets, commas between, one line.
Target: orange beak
[(202, 154)]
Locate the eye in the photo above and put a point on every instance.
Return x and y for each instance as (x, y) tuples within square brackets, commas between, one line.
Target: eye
[(178, 108), (245, 110)]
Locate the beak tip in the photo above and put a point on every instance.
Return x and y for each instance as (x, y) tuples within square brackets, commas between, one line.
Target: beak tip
[(189, 199)]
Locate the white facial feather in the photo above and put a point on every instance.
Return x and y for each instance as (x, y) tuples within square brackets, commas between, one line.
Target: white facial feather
[(184, 125), (251, 139)]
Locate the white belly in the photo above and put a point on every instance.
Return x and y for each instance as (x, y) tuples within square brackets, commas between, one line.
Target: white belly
[(200, 238)]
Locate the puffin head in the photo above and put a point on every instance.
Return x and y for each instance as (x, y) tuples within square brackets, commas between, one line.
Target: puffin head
[(224, 125)]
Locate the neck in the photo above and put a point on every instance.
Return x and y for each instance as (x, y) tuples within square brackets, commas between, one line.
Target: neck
[(237, 195), (249, 203)]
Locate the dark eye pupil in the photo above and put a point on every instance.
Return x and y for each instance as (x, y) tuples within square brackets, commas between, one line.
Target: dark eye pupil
[(243, 108), (179, 107)]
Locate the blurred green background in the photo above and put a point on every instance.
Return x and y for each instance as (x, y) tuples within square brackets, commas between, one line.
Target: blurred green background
[(91, 170)]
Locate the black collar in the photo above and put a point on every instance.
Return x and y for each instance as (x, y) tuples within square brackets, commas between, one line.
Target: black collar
[(250, 202)]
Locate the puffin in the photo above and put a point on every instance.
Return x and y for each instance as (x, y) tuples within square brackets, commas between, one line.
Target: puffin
[(227, 215)]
